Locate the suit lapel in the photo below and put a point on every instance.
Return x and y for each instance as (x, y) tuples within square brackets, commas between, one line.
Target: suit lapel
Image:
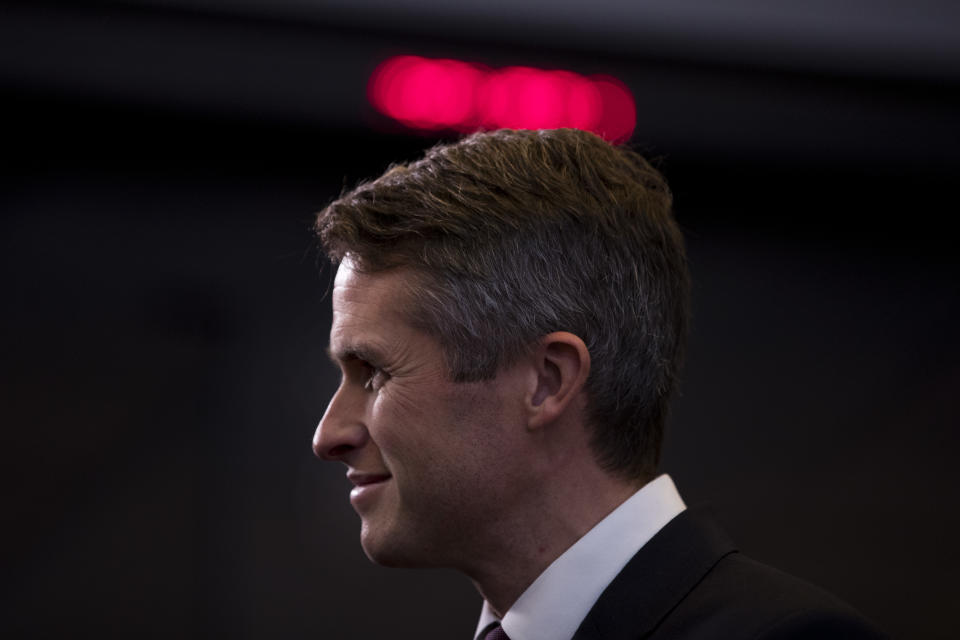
[(658, 577)]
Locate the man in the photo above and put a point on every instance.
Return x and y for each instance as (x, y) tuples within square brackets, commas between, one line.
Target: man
[(509, 316)]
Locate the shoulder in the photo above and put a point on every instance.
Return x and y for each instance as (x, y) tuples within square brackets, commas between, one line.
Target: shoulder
[(821, 624), (690, 581), (743, 598)]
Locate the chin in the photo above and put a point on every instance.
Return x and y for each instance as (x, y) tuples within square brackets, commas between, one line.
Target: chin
[(391, 550), (387, 556)]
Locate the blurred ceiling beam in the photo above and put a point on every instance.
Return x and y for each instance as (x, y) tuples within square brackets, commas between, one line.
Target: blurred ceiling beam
[(285, 67)]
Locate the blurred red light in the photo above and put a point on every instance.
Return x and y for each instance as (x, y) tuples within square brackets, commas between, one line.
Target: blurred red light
[(542, 101), (584, 102), (619, 115), (384, 85), (449, 94), (422, 93)]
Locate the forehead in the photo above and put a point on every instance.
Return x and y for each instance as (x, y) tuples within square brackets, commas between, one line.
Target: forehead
[(367, 308), (352, 286)]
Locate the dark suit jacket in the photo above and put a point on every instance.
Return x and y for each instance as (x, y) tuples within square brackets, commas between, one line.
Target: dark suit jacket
[(689, 581)]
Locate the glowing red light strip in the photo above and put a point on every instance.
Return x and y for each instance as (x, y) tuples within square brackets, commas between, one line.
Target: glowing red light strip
[(425, 93)]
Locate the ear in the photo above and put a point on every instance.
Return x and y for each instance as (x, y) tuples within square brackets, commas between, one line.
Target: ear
[(561, 364)]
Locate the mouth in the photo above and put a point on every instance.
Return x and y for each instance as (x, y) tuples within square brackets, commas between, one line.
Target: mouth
[(367, 479), (366, 487)]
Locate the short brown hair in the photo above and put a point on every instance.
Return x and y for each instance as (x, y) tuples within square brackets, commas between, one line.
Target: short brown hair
[(516, 234)]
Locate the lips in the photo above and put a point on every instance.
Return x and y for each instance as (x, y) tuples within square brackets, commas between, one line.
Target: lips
[(367, 488), (365, 479)]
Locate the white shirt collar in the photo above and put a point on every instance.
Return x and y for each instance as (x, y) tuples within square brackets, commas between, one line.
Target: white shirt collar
[(559, 599)]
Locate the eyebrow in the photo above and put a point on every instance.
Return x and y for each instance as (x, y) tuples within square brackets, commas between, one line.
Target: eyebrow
[(363, 352)]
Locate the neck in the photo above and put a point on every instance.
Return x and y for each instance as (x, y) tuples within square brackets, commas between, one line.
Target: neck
[(568, 505)]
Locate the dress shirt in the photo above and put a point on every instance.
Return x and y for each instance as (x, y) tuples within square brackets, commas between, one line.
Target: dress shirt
[(559, 599)]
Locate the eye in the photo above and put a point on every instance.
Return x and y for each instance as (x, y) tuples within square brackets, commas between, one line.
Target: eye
[(373, 377)]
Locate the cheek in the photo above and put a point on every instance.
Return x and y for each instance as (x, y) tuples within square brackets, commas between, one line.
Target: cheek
[(441, 424), (436, 434), (406, 421)]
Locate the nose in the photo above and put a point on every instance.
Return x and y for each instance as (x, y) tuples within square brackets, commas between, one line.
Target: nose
[(341, 429)]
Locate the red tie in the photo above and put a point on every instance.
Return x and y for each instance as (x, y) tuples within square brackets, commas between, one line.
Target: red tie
[(496, 632)]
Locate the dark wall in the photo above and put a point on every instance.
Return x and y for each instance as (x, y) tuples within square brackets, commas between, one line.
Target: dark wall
[(163, 370)]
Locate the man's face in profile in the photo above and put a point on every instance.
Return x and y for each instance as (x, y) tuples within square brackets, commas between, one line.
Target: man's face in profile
[(435, 463)]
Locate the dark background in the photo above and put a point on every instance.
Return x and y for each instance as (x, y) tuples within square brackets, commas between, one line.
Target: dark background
[(164, 317)]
